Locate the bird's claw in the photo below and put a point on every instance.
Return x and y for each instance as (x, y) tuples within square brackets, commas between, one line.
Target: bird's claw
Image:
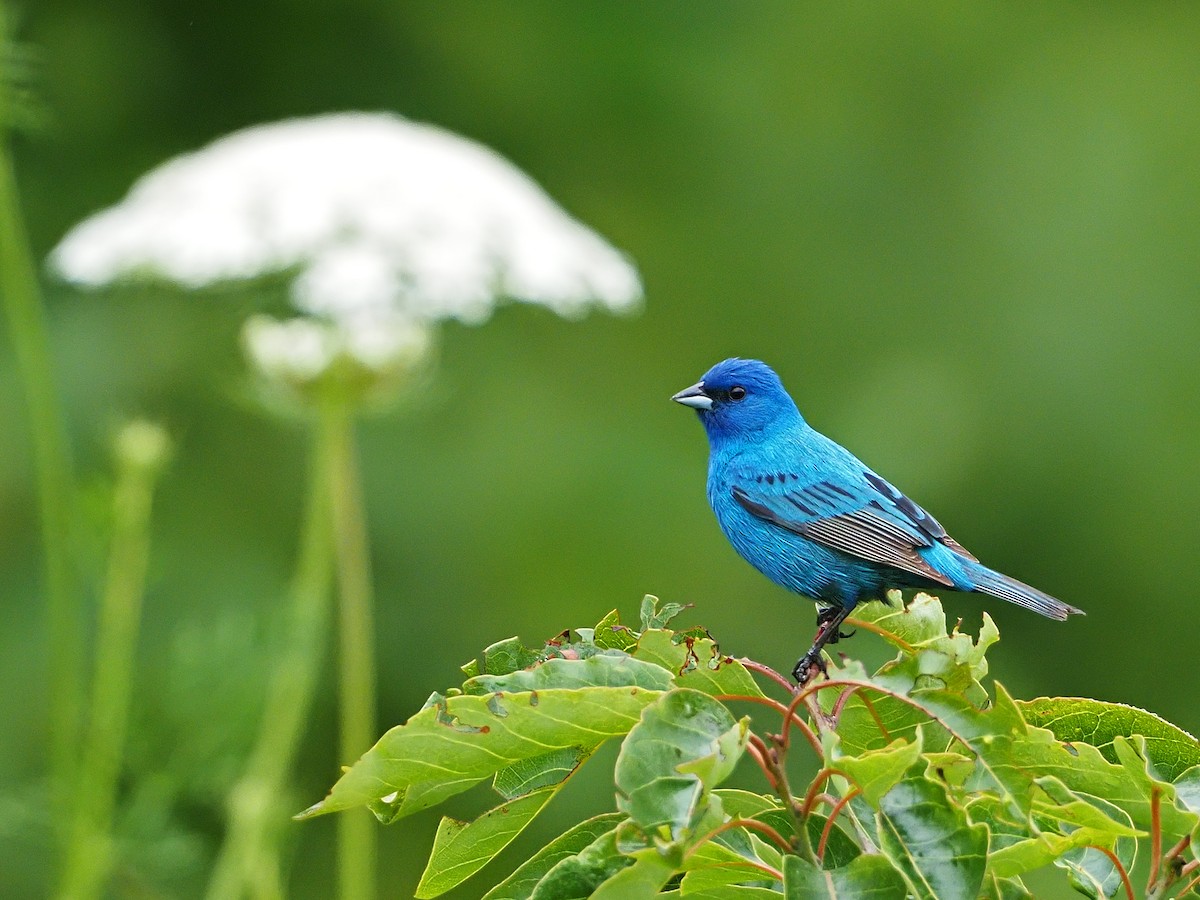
[(803, 671)]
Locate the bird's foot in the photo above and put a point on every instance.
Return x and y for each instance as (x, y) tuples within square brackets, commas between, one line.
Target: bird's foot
[(803, 671)]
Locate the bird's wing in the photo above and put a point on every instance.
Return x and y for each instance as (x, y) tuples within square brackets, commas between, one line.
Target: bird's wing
[(863, 516)]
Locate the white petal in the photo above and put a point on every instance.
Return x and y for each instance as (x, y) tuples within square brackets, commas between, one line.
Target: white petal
[(373, 211)]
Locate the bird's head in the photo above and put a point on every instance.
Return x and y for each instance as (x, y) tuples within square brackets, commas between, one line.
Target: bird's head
[(740, 398)]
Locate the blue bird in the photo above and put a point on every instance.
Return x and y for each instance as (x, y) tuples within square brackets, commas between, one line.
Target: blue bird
[(808, 514)]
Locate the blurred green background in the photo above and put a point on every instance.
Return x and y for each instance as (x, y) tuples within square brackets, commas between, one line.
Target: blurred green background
[(967, 235)]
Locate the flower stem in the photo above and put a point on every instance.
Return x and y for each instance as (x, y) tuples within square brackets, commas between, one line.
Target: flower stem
[(248, 861), (141, 452), (64, 608), (356, 829)]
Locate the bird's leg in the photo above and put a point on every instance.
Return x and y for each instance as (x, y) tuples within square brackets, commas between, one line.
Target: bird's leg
[(827, 614), (829, 622)]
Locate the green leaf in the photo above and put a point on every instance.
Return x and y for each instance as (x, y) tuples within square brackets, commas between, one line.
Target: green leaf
[(1012, 759), (921, 625), (928, 837), (610, 668), (417, 797), (576, 877), (1098, 723), (875, 772), (1065, 822), (931, 658), (746, 804), (536, 772), (462, 740), (656, 616), (1093, 873), (1187, 789), (1003, 889), (1007, 825), (521, 884), (840, 847), (697, 663), (641, 881), (869, 877), (722, 892), (610, 634), (501, 658), (1011, 756), (951, 768), (714, 863), (685, 744), (461, 849)]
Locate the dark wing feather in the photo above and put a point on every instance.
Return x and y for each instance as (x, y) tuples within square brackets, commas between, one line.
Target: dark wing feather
[(923, 520), (868, 535), (869, 519)]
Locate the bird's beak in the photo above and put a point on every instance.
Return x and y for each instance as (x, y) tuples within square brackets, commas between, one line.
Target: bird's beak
[(694, 397)]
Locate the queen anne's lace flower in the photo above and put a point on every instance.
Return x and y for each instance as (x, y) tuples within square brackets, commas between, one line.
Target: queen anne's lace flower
[(299, 351), (376, 215)]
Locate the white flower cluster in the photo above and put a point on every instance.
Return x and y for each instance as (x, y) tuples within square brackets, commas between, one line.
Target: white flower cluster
[(388, 226), (377, 215)]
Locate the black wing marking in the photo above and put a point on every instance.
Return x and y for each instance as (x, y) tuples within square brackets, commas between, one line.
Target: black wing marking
[(921, 519), (867, 533)]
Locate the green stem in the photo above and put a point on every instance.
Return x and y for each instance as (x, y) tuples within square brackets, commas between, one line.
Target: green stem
[(89, 851), (356, 829), (64, 608), (248, 861)]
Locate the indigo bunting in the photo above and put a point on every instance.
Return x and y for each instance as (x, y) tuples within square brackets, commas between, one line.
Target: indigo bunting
[(809, 515)]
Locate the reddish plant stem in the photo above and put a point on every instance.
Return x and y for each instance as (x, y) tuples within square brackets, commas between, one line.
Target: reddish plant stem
[(1178, 848), (758, 750), (774, 766), (751, 824), (836, 714), (833, 814), (810, 796), (783, 711), (790, 716), (1166, 877), (1120, 869), (767, 672), (1155, 838)]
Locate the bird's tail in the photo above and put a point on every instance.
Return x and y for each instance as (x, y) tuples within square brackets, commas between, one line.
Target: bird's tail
[(1006, 588)]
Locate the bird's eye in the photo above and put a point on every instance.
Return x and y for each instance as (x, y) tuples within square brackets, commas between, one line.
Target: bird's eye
[(737, 392)]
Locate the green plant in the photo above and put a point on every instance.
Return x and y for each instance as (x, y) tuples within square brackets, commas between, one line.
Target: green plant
[(928, 785), (142, 449), (20, 295)]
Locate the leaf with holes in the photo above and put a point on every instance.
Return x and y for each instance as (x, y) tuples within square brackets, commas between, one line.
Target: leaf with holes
[(464, 739), (697, 663)]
